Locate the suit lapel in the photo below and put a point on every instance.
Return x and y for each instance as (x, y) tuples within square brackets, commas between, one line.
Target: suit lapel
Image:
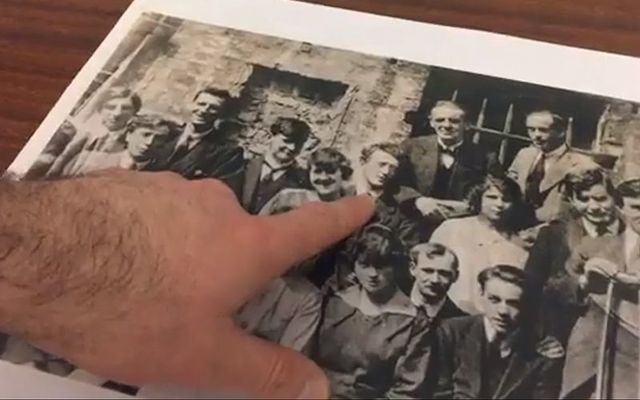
[(252, 178), (575, 232), (557, 171), (449, 310), (429, 158), (517, 371), (472, 356)]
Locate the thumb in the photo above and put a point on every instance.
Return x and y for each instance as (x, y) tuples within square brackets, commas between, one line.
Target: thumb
[(250, 366)]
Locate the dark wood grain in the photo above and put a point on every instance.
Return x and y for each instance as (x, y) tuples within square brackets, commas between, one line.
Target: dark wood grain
[(44, 43)]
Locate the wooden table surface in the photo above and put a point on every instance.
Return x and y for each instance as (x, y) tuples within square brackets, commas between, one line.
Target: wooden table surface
[(44, 43)]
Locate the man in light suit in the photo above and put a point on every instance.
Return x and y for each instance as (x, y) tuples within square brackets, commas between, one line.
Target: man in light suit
[(593, 214), (277, 169), (540, 168), (493, 355), (597, 262)]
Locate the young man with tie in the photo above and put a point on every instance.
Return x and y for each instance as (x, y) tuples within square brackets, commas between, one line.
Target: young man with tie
[(277, 169), (435, 269), (441, 169), (494, 355), (540, 168), (204, 149), (593, 214), (609, 260)]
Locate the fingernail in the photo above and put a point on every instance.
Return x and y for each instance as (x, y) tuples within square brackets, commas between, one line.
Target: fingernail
[(315, 389)]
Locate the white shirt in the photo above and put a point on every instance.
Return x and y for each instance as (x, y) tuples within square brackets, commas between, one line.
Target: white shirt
[(274, 168), (478, 246), (631, 246), (432, 310), (447, 160), (592, 229)]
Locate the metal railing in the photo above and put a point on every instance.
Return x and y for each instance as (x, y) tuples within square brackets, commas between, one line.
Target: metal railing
[(507, 135)]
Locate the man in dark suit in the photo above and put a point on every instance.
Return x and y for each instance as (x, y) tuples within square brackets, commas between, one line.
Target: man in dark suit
[(493, 355), (593, 214), (204, 150), (443, 167), (435, 269), (277, 169)]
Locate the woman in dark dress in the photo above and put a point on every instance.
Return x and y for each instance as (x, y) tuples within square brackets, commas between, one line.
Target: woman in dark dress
[(367, 328)]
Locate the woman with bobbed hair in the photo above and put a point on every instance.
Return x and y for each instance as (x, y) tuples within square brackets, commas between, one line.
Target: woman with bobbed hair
[(489, 237)]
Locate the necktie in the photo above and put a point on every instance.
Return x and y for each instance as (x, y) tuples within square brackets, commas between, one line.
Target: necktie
[(268, 177), (532, 190), (447, 156)]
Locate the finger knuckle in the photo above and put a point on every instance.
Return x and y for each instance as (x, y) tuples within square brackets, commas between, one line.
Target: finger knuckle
[(276, 376)]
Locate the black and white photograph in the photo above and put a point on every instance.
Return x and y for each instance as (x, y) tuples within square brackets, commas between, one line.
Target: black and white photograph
[(503, 259)]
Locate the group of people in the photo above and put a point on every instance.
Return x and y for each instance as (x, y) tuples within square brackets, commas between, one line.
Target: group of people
[(472, 280)]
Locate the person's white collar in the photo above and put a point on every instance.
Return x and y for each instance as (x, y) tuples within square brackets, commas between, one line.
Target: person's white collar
[(452, 147), (631, 245)]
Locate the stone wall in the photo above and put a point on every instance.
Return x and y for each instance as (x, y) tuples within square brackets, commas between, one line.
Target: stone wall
[(378, 92)]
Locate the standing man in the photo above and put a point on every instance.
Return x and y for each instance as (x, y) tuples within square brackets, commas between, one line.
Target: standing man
[(493, 355), (204, 149), (277, 169), (540, 168), (100, 140), (597, 262), (435, 269), (593, 214), (445, 166)]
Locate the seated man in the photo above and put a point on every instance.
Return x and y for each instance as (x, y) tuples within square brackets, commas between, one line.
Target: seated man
[(493, 355), (435, 269), (445, 166), (277, 169)]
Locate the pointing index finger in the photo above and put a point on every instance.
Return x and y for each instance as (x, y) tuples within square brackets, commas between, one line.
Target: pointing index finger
[(302, 233)]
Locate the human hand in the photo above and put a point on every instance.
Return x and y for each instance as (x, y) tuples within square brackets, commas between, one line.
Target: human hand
[(600, 266), (136, 276), (429, 207), (550, 347)]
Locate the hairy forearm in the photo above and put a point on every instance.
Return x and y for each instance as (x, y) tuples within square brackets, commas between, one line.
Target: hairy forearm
[(61, 253)]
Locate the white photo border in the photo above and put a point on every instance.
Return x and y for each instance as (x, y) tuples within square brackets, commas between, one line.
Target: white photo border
[(502, 56)]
